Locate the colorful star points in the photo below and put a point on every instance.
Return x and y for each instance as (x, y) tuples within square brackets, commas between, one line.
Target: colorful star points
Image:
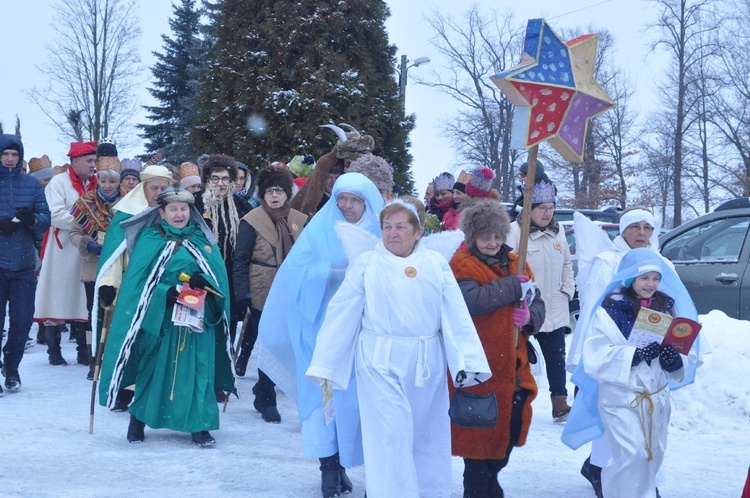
[(554, 90)]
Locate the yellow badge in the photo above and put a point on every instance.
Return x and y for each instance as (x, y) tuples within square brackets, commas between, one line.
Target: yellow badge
[(558, 246), (295, 227), (208, 249), (411, 272)]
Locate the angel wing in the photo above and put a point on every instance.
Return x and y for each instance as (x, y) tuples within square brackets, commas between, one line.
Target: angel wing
[(446, 243), (590, 241), (355, 240)]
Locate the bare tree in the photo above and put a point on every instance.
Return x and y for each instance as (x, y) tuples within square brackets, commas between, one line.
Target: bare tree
[(474, 49), (655, 182), (92, 69), (682, 24)]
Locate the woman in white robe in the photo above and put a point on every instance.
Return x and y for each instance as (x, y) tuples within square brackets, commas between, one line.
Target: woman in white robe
[(400, 318)]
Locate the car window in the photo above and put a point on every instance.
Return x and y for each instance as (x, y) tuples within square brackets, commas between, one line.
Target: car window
[(715, 241)]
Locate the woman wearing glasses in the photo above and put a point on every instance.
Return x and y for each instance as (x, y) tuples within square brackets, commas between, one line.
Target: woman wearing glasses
[(265, 238), (549, 257), (223, 212)]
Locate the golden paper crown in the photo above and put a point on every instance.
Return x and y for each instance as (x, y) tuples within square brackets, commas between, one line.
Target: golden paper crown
[(107, 162), (39, 163), (464, 177), (60, 169)]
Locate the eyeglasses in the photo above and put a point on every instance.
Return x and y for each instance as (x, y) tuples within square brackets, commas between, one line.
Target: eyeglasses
[(343, 200), (219, 179), (545, 209), (274, 190)]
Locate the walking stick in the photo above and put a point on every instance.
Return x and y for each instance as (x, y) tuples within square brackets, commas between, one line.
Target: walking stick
[(523, 243), (106, 322), (236, 352)]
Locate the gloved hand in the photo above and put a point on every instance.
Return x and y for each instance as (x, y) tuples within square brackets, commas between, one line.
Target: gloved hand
[(26, 215), (521, 316), (94, 248), (7, 227), (463, 377), (242, 305), (107, 295), (646, 354), (198, 281), (670, 359), (172, 295)]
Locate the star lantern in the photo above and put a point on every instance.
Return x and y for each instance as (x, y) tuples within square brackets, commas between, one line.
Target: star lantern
[(554, 91)]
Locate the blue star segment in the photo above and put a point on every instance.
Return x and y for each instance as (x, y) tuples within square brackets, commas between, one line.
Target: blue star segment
[(554, 90)]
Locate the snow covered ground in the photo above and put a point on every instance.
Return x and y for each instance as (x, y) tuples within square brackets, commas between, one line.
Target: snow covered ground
[(45, 448)]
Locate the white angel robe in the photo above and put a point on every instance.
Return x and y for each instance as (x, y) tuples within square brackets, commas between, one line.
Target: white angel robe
[(608, 360), (399, 321)]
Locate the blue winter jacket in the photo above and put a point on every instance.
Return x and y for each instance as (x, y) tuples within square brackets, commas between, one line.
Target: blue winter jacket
[(17, 189)]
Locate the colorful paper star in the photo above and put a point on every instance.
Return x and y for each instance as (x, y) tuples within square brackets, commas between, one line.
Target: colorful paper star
[(554, 90)]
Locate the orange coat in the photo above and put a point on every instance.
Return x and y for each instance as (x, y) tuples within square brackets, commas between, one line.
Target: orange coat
[(509, 365)]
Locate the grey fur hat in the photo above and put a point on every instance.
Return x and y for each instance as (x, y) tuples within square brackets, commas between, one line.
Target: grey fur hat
[(483, 216), (376, 169)]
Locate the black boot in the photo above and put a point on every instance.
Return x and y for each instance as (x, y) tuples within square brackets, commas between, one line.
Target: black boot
[(265, 398), (345, 484), (202, 439), (240, 366), (135, 430), (329, 474), (123, 399), (12, 379), (52, 334), (594, 475), (78, 330)]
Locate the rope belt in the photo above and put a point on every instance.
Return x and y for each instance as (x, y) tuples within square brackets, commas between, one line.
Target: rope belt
[(423, 369), (638, 403)]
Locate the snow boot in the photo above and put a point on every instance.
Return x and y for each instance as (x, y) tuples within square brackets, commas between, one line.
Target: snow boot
[(83, 350), (265, 399), (12, 380), (345, 484), (240, 366), (330, 476), (202, 439), (593, 474), (52, 334), (123, 399), (560, 408), (135, 430), (41, 337)]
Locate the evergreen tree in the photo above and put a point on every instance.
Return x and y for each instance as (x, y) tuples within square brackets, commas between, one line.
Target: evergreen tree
[(278, 70), (176, 74)]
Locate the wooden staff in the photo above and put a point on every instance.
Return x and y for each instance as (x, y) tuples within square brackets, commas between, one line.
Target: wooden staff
[(523, 243), (106, 322), (236, 353)]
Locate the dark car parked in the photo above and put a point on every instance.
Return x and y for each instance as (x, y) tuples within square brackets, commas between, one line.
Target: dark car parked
[(711, 256)]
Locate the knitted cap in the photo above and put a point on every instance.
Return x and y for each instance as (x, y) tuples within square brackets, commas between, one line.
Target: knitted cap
[(189, 174), (480, 183)]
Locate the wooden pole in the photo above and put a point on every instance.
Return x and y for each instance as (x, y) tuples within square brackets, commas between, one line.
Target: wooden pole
[(106, 322), (525, 224)]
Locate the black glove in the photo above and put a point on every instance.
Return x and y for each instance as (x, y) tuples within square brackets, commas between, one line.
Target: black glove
[(198, 281), (670, 359), (242, 305), (107, 295), (172, 295), (7, 227), (94, 248), (26, 215), (646, 354)]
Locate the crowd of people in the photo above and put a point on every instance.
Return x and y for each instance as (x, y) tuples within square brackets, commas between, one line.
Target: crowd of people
[(356, 300)]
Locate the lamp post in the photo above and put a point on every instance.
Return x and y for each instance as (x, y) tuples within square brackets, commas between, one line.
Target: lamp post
[(402, 77)]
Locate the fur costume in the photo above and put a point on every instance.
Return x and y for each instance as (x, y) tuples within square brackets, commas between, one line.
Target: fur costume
[(509, 364), (376, 169)]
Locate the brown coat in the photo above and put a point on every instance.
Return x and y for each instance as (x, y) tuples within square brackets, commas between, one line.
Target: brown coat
[(309, 196), (509, 365), (264, 262)]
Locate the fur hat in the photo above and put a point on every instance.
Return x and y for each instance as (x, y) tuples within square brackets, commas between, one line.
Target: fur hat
[(376, 169), (275, 176), (444, 181), (484, 216), (218, 161), (480, 183)]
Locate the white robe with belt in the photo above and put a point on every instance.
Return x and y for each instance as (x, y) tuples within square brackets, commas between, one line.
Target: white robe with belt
[(608, 360), (400, 321)]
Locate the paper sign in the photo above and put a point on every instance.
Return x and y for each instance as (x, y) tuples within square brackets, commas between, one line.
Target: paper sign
[(329, 410), (650, 326)]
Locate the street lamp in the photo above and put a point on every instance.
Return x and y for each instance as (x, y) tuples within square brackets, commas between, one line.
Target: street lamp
[(402, 77)]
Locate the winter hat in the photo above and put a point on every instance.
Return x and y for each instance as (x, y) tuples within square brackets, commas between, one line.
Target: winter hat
[(484, 216), (130, 167), (376, 169), (538, 176), (189, 174), (80, 149), (636, 216), (275, 176), (218, 161), (248, 176), (444, 181), (480, 183), (41, 168), (543, 192)]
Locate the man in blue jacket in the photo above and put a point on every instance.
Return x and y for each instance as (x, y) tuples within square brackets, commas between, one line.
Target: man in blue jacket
[(23, 213)]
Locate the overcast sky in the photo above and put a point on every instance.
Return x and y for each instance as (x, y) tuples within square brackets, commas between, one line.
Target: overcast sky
[(26, 32)]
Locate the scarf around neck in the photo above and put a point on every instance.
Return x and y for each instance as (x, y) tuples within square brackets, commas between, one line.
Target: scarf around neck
[(78, 183), (279, 218)]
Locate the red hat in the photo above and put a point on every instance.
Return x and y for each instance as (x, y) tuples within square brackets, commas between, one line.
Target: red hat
[(78, 149)]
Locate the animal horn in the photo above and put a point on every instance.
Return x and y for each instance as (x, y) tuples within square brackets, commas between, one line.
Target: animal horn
[(349, 127), (339, 132)]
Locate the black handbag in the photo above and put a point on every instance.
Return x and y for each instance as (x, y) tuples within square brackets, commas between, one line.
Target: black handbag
[(474, 411)]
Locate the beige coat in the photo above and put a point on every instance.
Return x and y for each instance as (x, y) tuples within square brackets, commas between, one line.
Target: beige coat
[(549, 257), (89, 262)]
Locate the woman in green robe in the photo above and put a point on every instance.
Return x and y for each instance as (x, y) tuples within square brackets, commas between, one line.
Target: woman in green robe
[(175, 369)]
